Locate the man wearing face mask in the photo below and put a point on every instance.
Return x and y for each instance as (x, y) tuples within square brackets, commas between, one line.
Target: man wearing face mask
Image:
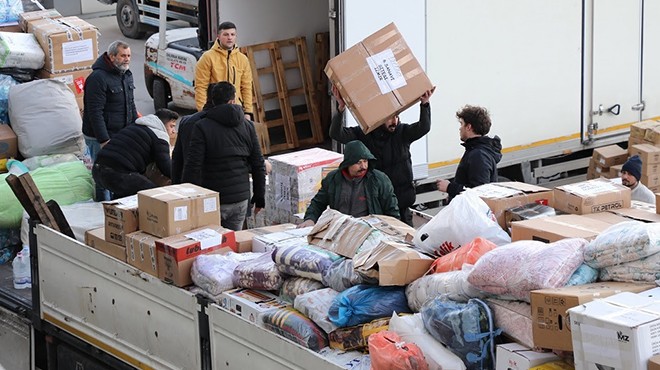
[(224, 62), (109, 100), (390, 143)]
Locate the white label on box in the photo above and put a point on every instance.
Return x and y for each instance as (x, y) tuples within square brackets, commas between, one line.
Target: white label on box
[(209, 205), (386, 71), (207, 238), (77, 51), (494, 191), (588, 188), (181, 213)]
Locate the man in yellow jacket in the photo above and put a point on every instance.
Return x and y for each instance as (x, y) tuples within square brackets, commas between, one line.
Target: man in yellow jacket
[(224, 62)]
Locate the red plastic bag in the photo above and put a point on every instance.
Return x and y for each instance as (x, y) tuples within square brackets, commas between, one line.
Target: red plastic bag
[(468, 253), (389, 352)]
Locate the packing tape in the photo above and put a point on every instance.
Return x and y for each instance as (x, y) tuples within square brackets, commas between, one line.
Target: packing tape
[(385, 37)]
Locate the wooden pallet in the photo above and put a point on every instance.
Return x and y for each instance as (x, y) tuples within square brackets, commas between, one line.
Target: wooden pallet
[(322, 55), (281, 80)]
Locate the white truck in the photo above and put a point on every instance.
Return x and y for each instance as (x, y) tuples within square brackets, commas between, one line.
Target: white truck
[(559, 77)]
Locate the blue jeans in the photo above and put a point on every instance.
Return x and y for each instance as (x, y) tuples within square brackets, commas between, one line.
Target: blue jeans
[(233, 215), (100, 194)]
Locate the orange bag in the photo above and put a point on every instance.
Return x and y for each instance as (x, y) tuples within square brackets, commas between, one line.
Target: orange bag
[(389, 352), (468, 253)]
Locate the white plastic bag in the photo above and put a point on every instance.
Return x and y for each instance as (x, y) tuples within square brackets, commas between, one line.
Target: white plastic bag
[(465, 218)]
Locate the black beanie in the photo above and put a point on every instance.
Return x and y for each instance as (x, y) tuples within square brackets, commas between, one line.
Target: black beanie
[(633, 166)]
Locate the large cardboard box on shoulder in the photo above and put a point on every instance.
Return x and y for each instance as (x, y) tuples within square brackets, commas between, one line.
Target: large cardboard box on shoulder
[(504, 195), (26, 19), (96, 239), (551, 324), (8, 142), (591, 196), (69, 43), (177, 253), (121, 219), (378, 77), (174, 209), (554, 228)]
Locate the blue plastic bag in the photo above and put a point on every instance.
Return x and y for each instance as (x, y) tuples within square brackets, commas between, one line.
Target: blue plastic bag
[(9, 10), (5, 83), (363, 303)]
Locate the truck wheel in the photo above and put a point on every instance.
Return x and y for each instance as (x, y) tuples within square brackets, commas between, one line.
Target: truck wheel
[(160, 94), (128, 19)]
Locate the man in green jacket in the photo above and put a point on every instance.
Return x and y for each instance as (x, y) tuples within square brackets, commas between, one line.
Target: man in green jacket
[(354, 189)]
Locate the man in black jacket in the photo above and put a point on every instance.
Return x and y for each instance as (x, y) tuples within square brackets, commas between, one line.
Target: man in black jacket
[(223, 152), (121, 164), (109, 101), (390, 143), (482, 153)]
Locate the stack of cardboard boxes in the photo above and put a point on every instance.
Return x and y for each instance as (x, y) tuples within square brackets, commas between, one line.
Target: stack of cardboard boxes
[(645, 141), (603, 159)]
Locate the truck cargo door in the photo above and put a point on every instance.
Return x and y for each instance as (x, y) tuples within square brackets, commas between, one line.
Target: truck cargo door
[(650, 101), (612, 67), (360, 18)]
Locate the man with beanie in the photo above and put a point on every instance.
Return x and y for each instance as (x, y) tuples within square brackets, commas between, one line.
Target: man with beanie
[(354, 188), (631, 172)]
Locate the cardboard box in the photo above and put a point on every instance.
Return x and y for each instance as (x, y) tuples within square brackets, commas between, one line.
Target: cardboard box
[(392, 263), (504, 195), (295, 180), (552, 229), (615, 171), (378, 77), (177, 253), (75, 80), (121, 219), (95, 239), (513, 356), (10, 27), (651, 181), (610, 155), (267, 242), (69, 43), (607, 217), (244, 238), (339, 233), (637, 214), (596, 171), (174, 209), (552, 326), (654, 363), (618, 332), (527, 212), (634, 141), (591, 196), (649, 154), (393, 228), (25, 20), (652, 135), (8, 142), (141, 252), (250, 304)]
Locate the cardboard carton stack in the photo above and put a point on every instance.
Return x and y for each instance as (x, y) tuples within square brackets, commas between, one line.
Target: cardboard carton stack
[(650, 156), (603, 158), (591, 196), (642, 133)]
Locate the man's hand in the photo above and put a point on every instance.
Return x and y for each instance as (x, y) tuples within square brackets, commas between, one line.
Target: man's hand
[(340, 100), (426, 97), (307, 223), (248, 117), (442, 185), (256, 211)]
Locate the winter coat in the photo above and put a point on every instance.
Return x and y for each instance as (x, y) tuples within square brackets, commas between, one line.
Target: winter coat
[(223, 151), (379, 191), (478, 165), (218, 64), (391, 149), (184, 132), (109, 100)]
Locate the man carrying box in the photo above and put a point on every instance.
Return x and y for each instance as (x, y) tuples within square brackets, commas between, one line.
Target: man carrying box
[(631, 172)]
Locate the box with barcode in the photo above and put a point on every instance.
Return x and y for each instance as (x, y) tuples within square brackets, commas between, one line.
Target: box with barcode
[(174, 209), (591, 196), (177, 253)]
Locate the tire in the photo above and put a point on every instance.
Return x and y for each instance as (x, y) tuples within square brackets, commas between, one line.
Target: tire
[(160, 94), (128, 19)]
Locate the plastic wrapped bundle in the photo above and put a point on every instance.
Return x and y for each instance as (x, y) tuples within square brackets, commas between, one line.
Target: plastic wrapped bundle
[(215, 272), (356, 337), (315, 305), (303, 260), (341, 275), (294, 286), (294, 326), (81, 216), (363, 303), (585, 274), (623, 242), (643, 270), (20, 50), (516, 269), (411, 329), (5, 83), (514, 318), (389, 352), (467, 254), (453, 283), (467, 329), (66, 183), (259, 273), (9, 10)]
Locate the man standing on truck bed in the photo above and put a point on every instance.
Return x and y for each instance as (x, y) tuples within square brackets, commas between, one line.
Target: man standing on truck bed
[(482, 153), (109, 101), (224, 62), (390, 143)]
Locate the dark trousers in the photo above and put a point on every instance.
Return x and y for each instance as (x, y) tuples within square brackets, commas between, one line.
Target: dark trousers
[(121, 184)]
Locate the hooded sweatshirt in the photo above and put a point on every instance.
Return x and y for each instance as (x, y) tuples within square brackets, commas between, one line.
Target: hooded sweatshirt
[(478, 165), (156, 125), (223, 152)]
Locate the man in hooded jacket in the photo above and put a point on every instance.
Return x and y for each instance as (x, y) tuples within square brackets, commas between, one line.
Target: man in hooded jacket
[(224, 150), (478, 165), (355, 188), (121, 164)]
